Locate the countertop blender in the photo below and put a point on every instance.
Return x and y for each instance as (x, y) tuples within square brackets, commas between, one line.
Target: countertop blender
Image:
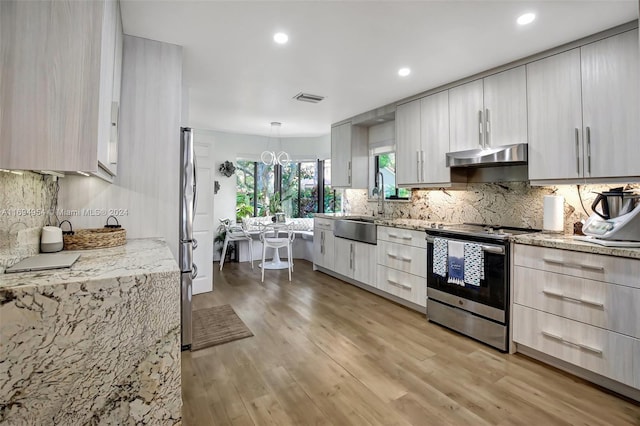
[(617, 222)]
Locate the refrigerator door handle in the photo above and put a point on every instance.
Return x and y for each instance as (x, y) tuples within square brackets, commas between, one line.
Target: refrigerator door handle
[(195, 184), (194, 272)]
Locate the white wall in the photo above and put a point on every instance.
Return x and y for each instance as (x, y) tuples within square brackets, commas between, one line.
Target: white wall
[(230, 147), (148, 181)]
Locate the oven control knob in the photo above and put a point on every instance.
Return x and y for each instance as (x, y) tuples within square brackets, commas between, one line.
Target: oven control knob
[(501, 231), (489, 230), (461, 302), (433, 225), (440, 226)]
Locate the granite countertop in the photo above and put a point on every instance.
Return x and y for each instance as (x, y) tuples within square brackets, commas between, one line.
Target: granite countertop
[(567, 242), (137, 257)]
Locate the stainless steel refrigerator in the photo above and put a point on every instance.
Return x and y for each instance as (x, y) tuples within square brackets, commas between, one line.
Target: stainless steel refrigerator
[(188, 201)]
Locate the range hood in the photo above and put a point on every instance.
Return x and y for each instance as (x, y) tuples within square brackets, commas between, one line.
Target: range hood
[(505, 155)]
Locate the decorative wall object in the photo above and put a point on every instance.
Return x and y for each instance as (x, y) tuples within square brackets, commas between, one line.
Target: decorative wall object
[(227, 168)]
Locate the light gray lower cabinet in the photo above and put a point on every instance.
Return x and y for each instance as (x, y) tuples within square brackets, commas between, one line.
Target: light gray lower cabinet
[(323, 247), (355, 260), (56, 81), (579, 308)]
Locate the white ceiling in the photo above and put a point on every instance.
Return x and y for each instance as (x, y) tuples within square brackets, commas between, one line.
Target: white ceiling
[(239, 80)]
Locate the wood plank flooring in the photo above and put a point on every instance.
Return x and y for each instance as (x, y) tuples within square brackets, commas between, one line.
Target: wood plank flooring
[(328, 353)]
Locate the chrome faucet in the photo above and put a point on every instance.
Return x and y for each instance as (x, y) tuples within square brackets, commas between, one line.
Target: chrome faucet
[(380, 190)]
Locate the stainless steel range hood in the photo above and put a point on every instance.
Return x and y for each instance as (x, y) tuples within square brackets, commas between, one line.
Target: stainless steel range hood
[(505, 155)]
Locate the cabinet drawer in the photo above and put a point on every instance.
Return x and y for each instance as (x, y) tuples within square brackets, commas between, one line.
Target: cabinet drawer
[(601, 304), (404, 258), (403, 236), (322, 223), (617, 270), (604, 352), (403, 285)]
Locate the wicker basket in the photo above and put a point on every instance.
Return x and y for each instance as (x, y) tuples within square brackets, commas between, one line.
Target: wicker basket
[(84, 239)]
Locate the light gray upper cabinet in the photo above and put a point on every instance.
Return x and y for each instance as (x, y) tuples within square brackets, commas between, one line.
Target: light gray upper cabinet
[(465, 116), (56, 81), (583, 112), (489, 112), (408, 143), (349, 156), (422, 140), (610, 109)]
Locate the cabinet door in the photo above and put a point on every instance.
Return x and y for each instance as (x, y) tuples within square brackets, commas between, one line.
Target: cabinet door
[(555, 117), (107, 68), (434, 117), (341, 155), (318, 247), (344, 257), (610, 87), (329, 250), (49, 80), (364, 263), (505, 107), (408, 143), (466, 116)]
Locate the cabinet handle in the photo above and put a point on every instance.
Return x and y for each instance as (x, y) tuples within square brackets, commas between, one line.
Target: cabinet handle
[(480, 132), (573, 265), (322, 242), (403, 237), (351, 256), (349, 172), (397, 284), (573, 299), (395, 256), (568, 342), (418, 165), (422, 165), (487, 129), (577, 151), (588, 149)]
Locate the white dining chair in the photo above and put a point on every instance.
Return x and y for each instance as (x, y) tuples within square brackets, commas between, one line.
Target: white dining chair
[(234, 232), (270, 237)]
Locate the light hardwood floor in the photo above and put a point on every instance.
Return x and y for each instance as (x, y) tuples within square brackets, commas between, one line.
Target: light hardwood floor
[(328, 353)]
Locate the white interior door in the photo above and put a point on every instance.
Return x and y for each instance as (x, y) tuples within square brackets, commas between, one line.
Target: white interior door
[(203, 223)]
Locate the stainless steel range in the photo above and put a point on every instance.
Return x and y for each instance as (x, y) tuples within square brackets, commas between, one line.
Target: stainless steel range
[(468, 279)]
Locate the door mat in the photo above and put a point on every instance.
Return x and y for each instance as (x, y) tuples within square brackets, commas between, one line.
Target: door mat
[(217, 325)]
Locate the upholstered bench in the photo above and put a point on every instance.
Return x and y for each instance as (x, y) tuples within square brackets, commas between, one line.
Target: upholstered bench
[(302, 245)]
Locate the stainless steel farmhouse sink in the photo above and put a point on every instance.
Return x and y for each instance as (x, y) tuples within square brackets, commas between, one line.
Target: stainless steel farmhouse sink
[(357, 229)]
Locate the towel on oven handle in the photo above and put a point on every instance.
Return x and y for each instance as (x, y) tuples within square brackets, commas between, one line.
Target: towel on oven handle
[(439, 257), (456, 262), (473, 264)]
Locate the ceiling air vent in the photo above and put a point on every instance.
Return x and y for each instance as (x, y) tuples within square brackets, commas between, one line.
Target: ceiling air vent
[(307, 97)]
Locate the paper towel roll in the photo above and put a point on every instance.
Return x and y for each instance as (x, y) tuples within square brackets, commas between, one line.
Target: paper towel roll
[(553, 219)]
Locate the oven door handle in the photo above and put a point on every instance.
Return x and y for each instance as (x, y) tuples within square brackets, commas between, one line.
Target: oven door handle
[(489, 249)]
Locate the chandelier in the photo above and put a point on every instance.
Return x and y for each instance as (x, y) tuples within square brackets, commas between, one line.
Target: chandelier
[(271, 158)]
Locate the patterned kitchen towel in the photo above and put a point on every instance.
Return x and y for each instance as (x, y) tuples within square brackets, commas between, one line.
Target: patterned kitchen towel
[(473, 264), (456, 262), (440, 257)]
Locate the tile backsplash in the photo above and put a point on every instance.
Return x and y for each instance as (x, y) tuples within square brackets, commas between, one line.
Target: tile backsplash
[(25, 201), (509, 203)]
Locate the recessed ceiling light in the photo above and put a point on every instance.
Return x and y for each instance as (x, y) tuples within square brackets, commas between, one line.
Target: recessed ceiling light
[(526, 18), (280, 38), (403, 72)]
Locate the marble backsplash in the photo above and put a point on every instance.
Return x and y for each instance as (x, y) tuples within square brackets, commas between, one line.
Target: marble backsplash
[(509, 203), (25, 201)]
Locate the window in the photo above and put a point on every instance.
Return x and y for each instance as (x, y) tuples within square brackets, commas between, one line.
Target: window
[(297, 184), (385, 163)]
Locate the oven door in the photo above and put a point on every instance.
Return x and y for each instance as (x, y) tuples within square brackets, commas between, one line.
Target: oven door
[(490, 298)]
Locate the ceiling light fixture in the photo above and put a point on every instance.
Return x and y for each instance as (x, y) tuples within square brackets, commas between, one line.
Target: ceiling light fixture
[(403, 72), (271, 158), (526, 18), (280, 38)]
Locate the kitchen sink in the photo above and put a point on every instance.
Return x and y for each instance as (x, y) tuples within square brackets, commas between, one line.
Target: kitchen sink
[(357, 229)]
